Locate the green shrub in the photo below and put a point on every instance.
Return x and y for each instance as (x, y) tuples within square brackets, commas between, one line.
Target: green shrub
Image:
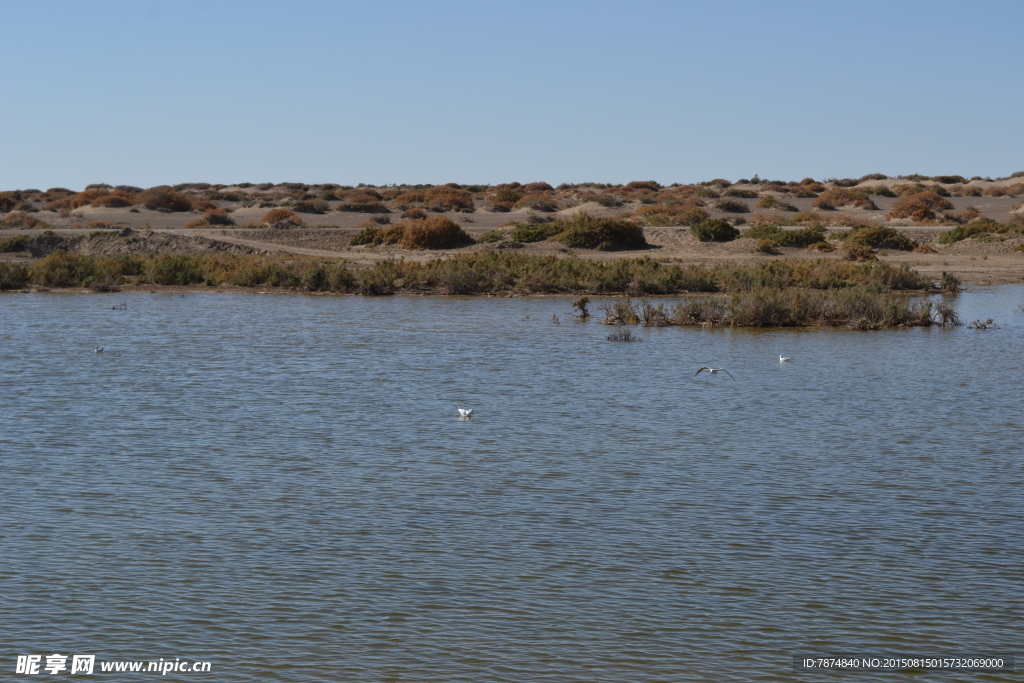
[(311, 206), (879, 238), (538, 202), (584, 231), (977, 229), (174, 269), (802, 237), (606, 200), (742, 194), (13, 275), (732, 206), (714, 230), (531, 232), (490, 236), (16, 243), (61, 269)]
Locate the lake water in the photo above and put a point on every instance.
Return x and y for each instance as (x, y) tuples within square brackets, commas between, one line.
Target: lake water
[(281, 485)]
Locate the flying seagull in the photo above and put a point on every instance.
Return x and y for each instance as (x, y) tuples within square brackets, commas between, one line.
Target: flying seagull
[(714, 371), (99, 349), (466, 413), (784, 359)]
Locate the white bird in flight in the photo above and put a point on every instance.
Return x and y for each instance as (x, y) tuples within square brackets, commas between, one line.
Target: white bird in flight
[(714, 371), (466, 413), (99, 349), (784, 359)]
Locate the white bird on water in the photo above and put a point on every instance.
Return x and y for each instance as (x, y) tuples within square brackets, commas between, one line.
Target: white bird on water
[(784, 359), (714, 371), (98, 349), (466, 413)]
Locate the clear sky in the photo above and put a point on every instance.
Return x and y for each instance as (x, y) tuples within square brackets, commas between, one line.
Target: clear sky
[(149, 92)]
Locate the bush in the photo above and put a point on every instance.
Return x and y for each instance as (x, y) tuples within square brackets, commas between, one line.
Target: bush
[(363, 202), (436, 232), (414, 213), (13, 244), (278, 215), (732, 206), (644, 185), (802, 237), (115, 199), (714, 230), (672, 214), (977, 229), (13, 275), (490, 236), (766, 247), (163, 198), (742, 194), (218, 217), (507, 195), (61, 269), (311, 206), (584, 231), (527, 232), (920, 206), (858, 253), (606, 200), (538, 202), (882, 191), (174, 269), (842, 196), (446, 198), (774, 203), (878, 238)]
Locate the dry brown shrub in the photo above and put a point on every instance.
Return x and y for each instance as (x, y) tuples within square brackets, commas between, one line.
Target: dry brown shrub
[(923, 249), (410, 197), (842, 196), (115, 199), (652, 186), (536, 187), (414, 212), (8, 200), (202, 204), (447, 198), (278, 215), (999, 191), (218, 217), (813, 187), (859, 254), (960, 217), (920, 206), (436, 232), (102, 224), (163, 198)]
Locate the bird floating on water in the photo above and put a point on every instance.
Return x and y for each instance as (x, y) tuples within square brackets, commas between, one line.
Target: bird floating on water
[(714, 371), (466, 413), (784, 359), (98, 349)]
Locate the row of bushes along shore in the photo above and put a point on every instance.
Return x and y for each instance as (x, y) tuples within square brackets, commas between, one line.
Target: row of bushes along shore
[(487, 273), (773, 294)]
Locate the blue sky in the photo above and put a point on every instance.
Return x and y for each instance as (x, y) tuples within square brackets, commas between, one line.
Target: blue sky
[(149, 92)]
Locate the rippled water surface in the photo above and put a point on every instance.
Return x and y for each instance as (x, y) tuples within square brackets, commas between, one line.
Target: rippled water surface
[(281, 485)]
